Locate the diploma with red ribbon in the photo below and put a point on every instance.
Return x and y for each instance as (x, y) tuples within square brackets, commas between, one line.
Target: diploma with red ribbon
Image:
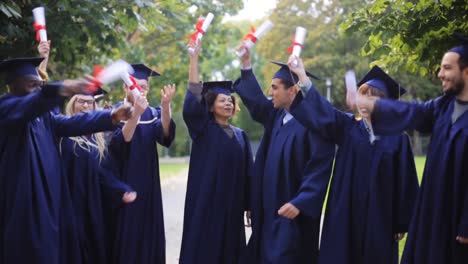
[(298, 41), (113, 72), (251, 38), (131, 83), (201, 26), (40, 24)]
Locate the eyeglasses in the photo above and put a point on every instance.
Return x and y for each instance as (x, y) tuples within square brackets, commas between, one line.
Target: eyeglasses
[(83, 101)]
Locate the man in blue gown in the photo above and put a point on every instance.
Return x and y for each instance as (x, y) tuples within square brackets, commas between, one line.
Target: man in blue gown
[(292, 165), (138, 229), (30, 167), (439, 229), (374, 183)]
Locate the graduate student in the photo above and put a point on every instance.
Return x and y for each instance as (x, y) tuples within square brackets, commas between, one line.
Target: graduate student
[(219, 173), (30, 166), (82, 226), (439, 228), (374, 183), (138, 228), (292, 166)]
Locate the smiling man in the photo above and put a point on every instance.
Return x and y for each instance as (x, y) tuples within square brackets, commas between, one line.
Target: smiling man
[(292, 166), (439, 229)]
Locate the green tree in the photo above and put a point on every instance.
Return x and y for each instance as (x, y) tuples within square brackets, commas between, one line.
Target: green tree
[(409, 35)]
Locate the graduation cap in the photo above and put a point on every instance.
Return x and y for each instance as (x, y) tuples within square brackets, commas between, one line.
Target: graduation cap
[(14, 68), (99, 94), (222, 87), (284, 73), (463, 48), (143, 72), (378, 79)]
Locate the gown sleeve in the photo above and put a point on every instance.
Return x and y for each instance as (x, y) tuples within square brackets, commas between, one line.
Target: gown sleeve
[(393, 117), (195, 112), (260, 108), (20, 110), (316, 176), (82, 124), (158, 131), (318, 115), (406, 187)]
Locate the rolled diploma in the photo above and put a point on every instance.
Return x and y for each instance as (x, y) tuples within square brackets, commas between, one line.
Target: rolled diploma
[(114, 71), (298, 38), (204, 27), (262, 30), (351, 86), (39, 18), (126, 78)]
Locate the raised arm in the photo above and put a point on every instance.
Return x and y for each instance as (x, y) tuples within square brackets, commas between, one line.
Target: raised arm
[(393, 117), (167, 94), (260, 108), (195, 112), (44, 51), (314, 111), (16, 110), (159, 133)]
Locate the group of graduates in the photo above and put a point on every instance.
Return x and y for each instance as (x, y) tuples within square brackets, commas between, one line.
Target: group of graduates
[(71, 193)]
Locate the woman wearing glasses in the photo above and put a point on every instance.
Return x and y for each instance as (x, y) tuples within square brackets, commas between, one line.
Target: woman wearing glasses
[(82, 225)]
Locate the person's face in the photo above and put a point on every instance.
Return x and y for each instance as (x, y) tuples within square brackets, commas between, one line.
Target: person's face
[(281, 97), (84, 103), (223, 106), (27, 84), (450, 74), (363, 110)]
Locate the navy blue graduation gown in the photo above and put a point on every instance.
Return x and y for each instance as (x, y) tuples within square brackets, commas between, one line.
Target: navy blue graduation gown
[(441, 211), (138, 228), (292, 165), (30, 173), (217, 189), (82, 221), (373, 187)]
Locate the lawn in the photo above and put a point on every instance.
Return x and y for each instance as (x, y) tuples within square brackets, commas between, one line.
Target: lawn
[(168, 170)]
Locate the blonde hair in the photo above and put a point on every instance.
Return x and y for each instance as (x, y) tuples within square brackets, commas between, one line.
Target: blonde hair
[(365, 88), (82, 141)]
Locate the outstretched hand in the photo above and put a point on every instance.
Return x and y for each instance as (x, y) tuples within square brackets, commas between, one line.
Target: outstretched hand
[(167, 94)]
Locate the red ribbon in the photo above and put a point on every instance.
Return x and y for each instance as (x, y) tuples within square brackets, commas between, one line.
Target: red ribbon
[(38, 27), (198, 26), (134, 84), (290, 49), (250, 35), (95, 83)]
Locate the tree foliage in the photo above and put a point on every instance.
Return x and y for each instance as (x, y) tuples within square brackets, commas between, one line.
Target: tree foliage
[(409, 35)]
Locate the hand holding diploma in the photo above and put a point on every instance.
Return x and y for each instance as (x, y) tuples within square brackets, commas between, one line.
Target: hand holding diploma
[(113, 72), (201, 26), (251, 38), (298, 41)]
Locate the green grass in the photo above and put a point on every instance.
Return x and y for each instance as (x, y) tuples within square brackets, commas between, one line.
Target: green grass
[(168, 170)]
